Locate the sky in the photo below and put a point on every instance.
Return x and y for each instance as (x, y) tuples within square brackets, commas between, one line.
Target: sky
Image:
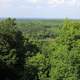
[(40, 9)]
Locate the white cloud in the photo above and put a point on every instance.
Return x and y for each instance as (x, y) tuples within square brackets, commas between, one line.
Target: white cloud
[(42, 3), (5, 3), (34, 1), (78, 3), (65, 3), (45, 2), (55, 2), (72, 3)]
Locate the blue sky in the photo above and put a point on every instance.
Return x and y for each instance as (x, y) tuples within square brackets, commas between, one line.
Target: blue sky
[(40, 8)]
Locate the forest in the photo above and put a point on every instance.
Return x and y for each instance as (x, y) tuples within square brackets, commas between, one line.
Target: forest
[(39, 49)]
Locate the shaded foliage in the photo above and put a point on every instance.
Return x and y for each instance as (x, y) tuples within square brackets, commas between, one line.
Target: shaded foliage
[(13, 50)]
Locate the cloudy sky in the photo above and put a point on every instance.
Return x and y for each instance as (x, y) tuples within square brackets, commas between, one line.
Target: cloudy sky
[(40, 8)]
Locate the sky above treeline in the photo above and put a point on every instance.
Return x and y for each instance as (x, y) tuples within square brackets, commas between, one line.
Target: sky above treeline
[(40, 8)]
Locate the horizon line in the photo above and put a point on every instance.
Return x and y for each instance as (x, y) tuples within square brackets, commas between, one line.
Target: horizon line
[(41, 18)]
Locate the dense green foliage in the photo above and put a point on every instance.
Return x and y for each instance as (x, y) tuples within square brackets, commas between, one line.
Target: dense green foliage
[(39, 49), (65, 57)]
